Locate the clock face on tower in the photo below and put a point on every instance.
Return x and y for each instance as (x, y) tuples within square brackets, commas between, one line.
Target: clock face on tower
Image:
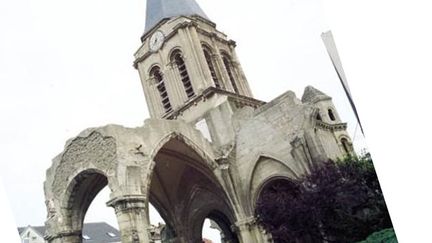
[(156, 40)]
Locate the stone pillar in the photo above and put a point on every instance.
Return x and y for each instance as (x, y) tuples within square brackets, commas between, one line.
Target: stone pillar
[(59, 230), (249, 231), (65, 237), (132, 218)]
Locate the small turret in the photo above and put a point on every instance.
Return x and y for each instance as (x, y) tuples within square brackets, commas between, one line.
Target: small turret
[(328, 122)]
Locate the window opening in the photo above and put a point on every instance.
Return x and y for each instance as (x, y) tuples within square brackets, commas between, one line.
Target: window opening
[(212, 68), (345, 145), (228, 68), (160, 85), (184, 75), (331, 115)]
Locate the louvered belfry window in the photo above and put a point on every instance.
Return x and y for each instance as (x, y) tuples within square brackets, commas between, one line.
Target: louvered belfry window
[(229, 70), (184, 75), (209, 61), (160, 85)]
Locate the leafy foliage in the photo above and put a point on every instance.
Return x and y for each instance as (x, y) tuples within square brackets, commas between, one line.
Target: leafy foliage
[(383, 236), (337, 202)]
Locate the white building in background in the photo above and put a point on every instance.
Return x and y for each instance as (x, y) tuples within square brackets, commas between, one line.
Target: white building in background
[(92, 232)]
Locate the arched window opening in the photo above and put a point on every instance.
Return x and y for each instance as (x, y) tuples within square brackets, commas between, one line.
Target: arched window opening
[(346, 146), (331, 115), (184, 75), (228, 67), (160, 85), (217, 228), (211, 232), (212, 69)]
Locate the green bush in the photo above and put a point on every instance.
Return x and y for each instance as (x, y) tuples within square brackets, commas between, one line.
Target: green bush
[(383, 236)]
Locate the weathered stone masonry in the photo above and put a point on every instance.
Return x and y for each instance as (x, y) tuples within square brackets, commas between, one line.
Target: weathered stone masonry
[(208, 156)]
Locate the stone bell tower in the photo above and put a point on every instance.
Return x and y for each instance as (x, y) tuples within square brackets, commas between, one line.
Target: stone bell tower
[(188, 68), (209, 150)]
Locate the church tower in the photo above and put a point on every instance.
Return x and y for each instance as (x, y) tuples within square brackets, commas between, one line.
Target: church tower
[(208, 151), (188, 68)]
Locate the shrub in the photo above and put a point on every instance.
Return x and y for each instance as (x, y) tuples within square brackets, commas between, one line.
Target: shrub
[(337, 202)]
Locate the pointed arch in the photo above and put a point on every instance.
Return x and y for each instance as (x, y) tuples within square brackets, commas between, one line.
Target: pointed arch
[(272, 168), (183, 182), (192, 143)]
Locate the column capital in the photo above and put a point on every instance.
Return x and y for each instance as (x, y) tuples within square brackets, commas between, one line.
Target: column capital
[(246, 223), (63, 234), (127, 202)]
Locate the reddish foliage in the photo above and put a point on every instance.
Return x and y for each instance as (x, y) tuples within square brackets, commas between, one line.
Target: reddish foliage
[(337, 202)]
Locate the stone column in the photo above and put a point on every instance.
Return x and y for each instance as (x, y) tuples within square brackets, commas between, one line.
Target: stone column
[(249, 231), (59, 230), (65, 237), (132, 218)]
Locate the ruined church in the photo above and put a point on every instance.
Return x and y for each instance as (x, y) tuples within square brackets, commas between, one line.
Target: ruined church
[(208, 150)]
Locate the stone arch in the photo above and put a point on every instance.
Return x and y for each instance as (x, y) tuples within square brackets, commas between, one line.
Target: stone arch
[(225, 53), (189, 188), (273, 167), (173, 51), (154, 65), (223, 222), (345, 144), (269, 180), (80, 193), (207, 45), (202, 149), (86, 166), (206, 204)]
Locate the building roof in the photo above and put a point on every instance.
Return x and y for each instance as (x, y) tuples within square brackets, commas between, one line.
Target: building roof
[(158, 10), (312, 95), (97, 232)]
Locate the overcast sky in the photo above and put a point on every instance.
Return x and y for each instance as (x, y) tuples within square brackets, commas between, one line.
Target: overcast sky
[(67, 65)]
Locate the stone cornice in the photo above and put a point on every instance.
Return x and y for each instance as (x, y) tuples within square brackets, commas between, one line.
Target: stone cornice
[(238, 99), (215, 36), (331, 127)]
